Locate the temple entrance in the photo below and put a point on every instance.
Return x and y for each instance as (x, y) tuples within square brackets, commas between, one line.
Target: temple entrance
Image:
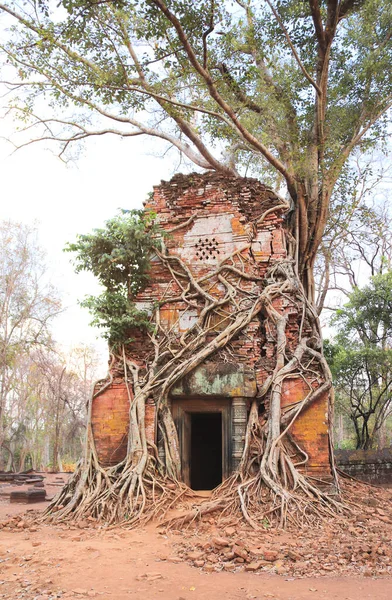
[(204, 433), (205, 450)]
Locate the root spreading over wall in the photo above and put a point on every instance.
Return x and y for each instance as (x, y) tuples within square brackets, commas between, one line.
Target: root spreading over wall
[(269, 484)]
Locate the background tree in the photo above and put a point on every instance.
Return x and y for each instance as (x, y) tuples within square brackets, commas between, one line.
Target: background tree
[(361, 358), (28, 303), (357, 242), (45, 413)]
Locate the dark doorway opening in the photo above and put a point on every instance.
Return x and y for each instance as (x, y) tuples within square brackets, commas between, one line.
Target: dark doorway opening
[(206, 451)]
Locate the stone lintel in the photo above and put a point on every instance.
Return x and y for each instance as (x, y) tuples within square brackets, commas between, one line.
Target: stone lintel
[(217, 379)]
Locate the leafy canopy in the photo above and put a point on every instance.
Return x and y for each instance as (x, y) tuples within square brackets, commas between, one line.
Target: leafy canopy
[(367, 318), (283, 89), (241, 74), (119, 256), (361, 357)]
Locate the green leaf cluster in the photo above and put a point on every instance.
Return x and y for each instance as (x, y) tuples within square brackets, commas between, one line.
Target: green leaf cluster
[(79, 57), (119, 256), (367, 317), (116, 315)]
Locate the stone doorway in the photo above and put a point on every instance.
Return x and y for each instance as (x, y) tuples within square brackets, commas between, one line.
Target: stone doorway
[(205, 450), (204, 431)]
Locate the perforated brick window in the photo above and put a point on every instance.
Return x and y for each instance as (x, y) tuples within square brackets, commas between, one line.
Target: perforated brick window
[(207, 248)]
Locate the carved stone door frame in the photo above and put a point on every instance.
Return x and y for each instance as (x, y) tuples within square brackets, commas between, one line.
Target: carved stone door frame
[(182, 409)]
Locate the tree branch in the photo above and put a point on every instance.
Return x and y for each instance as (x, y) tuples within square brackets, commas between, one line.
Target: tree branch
[(293, 50), (318, 23), (274, 161)]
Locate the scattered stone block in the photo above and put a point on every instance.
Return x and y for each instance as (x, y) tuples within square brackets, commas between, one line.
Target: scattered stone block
[(253, 566), (7, 476), (240, 552), (220, 541), (27, 496), (195, 555), (33, 480)]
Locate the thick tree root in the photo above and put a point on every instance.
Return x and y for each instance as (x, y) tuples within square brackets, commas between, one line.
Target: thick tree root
[(261, 506), (116, 496), (269, 483)]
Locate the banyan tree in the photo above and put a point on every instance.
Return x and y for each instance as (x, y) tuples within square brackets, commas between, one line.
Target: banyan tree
[(221, 384), (209, 306)]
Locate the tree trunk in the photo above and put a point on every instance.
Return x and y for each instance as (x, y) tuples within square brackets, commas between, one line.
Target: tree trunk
[(340, 433), (382, 436), (22, 460)]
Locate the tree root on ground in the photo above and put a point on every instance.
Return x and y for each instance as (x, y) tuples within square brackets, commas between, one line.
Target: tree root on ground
[(255, 502), (116, 496), (269, 483)]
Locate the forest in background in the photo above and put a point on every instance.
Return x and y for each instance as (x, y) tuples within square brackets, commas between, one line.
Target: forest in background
[(43, 389), (298, 94)]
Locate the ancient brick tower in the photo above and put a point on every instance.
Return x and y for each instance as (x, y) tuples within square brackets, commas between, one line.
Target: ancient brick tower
[(211, 217)]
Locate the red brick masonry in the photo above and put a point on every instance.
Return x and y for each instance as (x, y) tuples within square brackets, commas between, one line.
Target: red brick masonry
[(225, 211)]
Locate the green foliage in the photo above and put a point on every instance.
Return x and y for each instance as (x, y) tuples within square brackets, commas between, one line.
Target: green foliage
[(346, 444), (119, 256), (80, 57), (361, 358), (116, 315), (368, 314), (285, 90)]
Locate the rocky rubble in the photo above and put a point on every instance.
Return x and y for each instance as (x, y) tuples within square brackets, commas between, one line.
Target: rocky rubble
[(358, 544)]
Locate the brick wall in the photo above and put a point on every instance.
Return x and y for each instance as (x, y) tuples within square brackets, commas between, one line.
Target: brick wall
[(222, 214), (110, 424)]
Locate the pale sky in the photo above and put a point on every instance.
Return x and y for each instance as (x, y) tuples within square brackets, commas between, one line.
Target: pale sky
[(36, 187)]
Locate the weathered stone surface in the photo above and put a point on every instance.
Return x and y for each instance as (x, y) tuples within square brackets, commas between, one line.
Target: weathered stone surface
[(253, 566), (199, 563), (229, 380), (293, 555), (27, 496), (220, 541), (372, 466), (240, 552), (195, 555)]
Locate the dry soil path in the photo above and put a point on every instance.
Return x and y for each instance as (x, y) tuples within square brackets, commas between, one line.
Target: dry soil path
[(51, 562)]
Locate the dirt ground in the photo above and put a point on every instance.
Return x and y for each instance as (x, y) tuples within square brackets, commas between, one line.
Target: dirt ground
[(44, 562)]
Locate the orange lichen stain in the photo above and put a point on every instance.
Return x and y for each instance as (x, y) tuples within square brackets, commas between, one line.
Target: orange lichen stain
[(110, 424), (168, 317), (237, 226), (236, 392)]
